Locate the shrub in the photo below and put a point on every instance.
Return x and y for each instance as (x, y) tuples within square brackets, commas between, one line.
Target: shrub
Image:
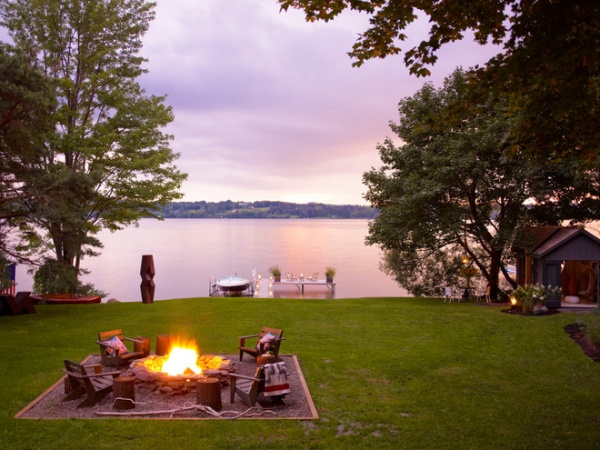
[(57, 277), (533, 294)]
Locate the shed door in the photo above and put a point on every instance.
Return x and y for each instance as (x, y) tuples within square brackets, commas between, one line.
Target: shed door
[(552, 278)]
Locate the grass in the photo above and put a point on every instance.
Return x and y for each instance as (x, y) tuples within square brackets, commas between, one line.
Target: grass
[(383, 373)]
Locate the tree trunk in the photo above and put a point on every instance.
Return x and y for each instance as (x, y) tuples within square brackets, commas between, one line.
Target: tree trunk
[(495, 258)]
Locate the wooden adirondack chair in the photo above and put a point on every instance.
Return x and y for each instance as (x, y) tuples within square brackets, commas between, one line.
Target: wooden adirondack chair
[(259, 348), (246, 387), (87, 380), (112, 356), (15, 305)]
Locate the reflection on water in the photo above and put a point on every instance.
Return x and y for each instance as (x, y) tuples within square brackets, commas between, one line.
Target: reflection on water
[(187, 252)]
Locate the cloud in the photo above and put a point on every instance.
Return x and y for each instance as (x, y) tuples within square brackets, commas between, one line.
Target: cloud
[(268, 106)]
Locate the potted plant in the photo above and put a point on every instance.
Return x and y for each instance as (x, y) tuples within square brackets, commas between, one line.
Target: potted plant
[(468, 273), (329, 274), (531, 297), (276, 273)]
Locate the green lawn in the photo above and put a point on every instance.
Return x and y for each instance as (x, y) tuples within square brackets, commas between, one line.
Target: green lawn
[(383, 373)]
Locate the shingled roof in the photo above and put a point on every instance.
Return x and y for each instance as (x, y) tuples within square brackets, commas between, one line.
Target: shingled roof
[(561, 237), (530, 238)]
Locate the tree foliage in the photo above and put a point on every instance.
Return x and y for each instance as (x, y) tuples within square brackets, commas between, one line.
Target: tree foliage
[(549, 68), (25, 103), (106, 163), (450, 190)]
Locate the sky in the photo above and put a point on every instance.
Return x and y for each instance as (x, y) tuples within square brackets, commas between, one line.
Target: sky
[(268, 106)]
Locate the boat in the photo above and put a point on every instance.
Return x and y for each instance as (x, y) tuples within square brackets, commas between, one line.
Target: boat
[(66, 299), (233, 284)]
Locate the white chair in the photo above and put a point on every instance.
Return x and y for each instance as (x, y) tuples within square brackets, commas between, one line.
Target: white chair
[(450, 294)]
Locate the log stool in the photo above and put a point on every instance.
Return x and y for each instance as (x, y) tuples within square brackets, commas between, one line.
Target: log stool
[(261, 360), (142, 344), (163, 344), (209, 393), (124, 393)]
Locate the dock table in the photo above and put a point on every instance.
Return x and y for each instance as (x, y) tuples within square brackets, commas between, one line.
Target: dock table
[(301, 283)]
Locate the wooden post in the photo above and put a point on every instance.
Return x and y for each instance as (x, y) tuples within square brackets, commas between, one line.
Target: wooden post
[(163, 344), (209, 393), (124, 388), (147, 273)]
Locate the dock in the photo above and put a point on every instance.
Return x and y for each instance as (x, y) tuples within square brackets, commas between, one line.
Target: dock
[(265, 287)]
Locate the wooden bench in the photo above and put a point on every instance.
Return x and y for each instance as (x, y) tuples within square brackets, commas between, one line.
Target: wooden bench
[(95, 384), (15, 305), (259, 348)]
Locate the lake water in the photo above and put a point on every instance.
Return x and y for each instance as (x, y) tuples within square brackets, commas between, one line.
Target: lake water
[(187, 252)]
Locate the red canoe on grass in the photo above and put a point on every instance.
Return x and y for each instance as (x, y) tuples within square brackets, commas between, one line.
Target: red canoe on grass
[(66, 299)]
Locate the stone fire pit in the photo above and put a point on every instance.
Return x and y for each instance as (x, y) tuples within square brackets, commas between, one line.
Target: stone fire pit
[(148, 374)]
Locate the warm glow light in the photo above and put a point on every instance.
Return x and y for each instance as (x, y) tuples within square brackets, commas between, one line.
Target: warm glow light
[(513, 301), (465, 259), (182, 359)]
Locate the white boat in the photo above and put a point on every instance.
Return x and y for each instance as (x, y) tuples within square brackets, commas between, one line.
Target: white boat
[(233, 284)]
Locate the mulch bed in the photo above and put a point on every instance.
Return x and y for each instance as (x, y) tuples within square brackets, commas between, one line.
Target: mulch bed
[(152, 404), (578, 336), (549, 312)]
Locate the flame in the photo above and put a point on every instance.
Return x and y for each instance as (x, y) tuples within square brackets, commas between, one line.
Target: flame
[(181, 359)]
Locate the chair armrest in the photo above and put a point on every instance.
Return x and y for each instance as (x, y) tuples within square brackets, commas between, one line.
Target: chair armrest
[(243, 338), (245, 377), (133, 340), (91, 375), (249, 336), (96, 367)]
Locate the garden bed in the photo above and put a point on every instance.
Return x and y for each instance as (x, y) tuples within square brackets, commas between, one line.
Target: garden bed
[(578, 336)]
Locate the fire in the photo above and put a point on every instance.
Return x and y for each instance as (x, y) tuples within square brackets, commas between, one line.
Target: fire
[(182, 358)]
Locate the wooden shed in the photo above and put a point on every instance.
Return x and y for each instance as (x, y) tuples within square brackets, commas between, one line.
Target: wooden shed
[(560, 256)]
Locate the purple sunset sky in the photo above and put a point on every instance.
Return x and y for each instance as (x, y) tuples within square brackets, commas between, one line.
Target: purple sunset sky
[(268, 106)]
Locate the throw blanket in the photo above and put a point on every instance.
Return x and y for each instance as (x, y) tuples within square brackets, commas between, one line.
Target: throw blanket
[(276, 380)]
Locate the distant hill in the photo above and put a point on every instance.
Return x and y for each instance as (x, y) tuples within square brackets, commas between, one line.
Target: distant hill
[(265, 210)]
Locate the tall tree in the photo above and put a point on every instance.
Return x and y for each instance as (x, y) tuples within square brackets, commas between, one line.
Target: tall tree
[(549, 67), (449, 190), (25, 104), (107, 163)]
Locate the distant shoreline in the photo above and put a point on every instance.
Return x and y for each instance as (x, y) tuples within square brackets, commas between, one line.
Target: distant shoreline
[(265, 210)]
